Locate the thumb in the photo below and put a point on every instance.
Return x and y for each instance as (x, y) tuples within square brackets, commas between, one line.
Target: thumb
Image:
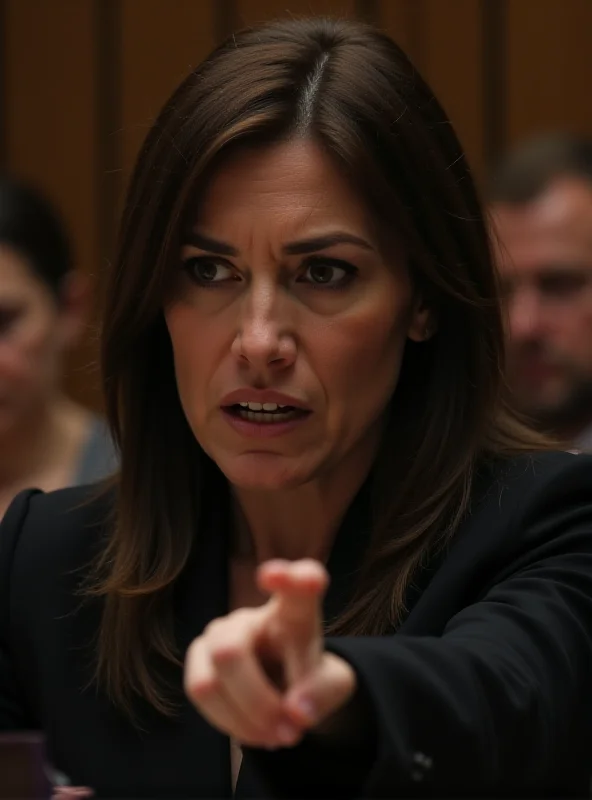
[(323, 692)]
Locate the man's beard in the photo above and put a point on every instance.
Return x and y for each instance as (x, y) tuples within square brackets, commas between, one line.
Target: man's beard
[(569, 416)]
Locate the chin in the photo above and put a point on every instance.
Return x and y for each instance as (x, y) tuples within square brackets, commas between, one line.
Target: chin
[(264, 472)]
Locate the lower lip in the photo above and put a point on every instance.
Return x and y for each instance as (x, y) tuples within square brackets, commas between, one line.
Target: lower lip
[(263, 430)]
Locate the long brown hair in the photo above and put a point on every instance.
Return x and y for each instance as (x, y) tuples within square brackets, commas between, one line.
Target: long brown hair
[(350, 88)]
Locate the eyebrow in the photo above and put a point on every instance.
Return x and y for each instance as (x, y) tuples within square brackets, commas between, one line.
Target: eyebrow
[(291, 248)]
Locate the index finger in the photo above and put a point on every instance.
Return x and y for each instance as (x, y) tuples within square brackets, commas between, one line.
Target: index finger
[(298, 588)]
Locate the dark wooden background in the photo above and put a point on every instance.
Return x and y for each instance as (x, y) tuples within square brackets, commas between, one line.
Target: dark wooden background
[(80, 81)]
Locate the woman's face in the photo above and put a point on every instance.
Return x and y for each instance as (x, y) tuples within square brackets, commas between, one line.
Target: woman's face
[(285, 301), (33, 333)]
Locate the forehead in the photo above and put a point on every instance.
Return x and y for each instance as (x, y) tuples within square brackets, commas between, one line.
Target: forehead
[(557, 226), (289, 185)]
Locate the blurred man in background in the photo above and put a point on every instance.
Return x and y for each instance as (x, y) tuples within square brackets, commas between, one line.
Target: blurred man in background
[(542, 213)]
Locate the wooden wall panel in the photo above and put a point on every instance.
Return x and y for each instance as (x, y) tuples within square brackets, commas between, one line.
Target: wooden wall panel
[(249, 12), (402, 20), (443, 39), (160, 42), (81, 81), (548, 69), (3, 160), (50, 127)]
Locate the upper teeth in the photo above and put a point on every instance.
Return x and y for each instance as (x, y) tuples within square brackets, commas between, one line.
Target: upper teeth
[(261, 406)]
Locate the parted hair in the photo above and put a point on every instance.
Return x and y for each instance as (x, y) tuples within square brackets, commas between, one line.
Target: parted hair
[(352, 90)]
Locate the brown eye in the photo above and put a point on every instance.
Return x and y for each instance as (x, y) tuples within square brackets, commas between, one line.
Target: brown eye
[(329, 273), (322, 273), (206, 271)]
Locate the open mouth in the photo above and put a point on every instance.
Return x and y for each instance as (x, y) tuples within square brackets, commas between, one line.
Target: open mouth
[(265, 413)]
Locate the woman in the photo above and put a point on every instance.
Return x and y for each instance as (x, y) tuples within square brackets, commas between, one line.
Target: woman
[(46, 439), (377, 580)]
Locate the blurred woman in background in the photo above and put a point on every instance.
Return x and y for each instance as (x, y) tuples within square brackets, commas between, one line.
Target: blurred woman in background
[(46, 439)]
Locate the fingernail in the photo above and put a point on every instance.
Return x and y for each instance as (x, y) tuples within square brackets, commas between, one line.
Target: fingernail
[(306, 707), (287, 734)]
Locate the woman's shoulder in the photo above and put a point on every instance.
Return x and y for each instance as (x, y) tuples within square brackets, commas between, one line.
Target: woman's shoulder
[(57, 530), (527, 476), (527, 511), (532, 499)]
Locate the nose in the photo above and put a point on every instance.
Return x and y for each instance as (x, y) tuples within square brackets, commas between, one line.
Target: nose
[(524, 315), (264, 340)]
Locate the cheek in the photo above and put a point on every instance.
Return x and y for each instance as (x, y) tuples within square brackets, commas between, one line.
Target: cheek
[(363, 354), (573, 333), (29, 356), (195, 356), (581, 325)]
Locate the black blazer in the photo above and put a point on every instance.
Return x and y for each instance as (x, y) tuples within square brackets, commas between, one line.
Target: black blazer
[(485, 689)]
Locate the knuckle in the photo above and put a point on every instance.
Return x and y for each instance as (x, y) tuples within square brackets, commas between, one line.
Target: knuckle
[(254, 740), (214, 627), (268, 721), (258, 735), (233, 641), (194, 650), (235, 625), (200, 688), (228, 652), (243, 616)]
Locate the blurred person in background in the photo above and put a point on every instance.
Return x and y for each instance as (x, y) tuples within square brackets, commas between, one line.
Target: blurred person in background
[(46, 439), (542, 209)]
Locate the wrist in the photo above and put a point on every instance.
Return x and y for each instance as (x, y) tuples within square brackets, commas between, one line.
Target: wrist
[(349, 725)]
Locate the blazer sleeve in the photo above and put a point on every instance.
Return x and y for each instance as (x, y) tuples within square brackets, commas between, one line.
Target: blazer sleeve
[(13, 708), (495, 703)]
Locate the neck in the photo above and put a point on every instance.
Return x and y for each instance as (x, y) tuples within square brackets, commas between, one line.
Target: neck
[(300, 522), (39, 439)]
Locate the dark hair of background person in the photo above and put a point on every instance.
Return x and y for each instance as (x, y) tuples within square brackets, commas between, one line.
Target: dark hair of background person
[(528, 170), (30, 225), (351, 89)]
